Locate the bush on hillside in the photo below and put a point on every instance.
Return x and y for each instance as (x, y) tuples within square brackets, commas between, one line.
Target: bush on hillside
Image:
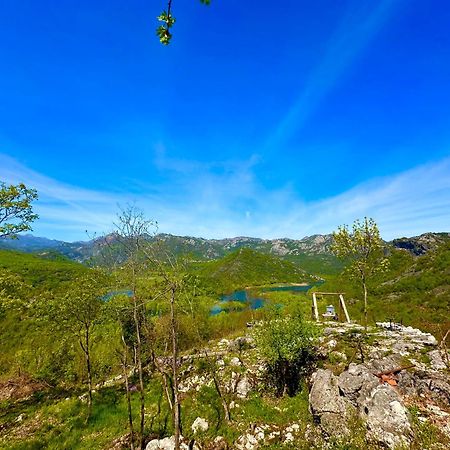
[(287, 346)]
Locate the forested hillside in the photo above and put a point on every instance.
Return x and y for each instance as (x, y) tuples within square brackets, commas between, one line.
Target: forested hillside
[(48, 302), (47, 270), (246, 267), (414, 290)]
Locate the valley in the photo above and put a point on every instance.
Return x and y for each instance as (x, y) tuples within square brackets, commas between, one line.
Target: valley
[(42, 373)]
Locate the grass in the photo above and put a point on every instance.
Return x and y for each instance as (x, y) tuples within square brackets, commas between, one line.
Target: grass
[(427, 435), (61, 423), (55, 423)]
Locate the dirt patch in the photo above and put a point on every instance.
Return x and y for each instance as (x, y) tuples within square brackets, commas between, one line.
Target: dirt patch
[(19, 388)]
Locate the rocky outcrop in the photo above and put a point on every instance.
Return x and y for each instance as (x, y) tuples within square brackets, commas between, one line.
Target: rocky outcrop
[(243, 387), (436, 360), (378, 397), (387, 418), (327, 405), (408, 335), (426, 384), (266, 434), (419, 245), (168, 443), (357, 392)]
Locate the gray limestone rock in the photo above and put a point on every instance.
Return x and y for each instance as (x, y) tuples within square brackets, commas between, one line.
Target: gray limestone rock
[(326, 404), (243, 387), (436, 360), (200, 425), (356, 383), (167, 443), (334, 400), (387, 418), (241, 343)]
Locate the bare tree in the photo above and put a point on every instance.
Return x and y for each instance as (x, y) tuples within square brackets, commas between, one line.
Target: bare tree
[(128, 243)]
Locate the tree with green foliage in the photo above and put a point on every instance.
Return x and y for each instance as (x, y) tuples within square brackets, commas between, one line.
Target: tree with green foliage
[(16, 209), (287, 345), (12, 289), (363, 250), (79, 311), (167, 19)]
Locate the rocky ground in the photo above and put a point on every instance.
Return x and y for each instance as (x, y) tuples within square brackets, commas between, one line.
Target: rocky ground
[(389, 388), (403, 378)]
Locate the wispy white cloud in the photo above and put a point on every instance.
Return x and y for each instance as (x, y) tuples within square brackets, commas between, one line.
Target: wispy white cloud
[(357, 28), (65, 210), (228, 200)]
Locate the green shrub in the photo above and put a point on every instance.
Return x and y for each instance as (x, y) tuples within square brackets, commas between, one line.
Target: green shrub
[(287, 346)]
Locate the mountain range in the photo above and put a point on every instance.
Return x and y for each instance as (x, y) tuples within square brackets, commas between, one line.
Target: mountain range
[(206, 249), (312, 253)]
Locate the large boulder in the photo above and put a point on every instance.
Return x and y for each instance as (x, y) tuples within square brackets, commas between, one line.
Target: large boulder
[(387, 418), (326, 404), (356, 383), (243, 387)]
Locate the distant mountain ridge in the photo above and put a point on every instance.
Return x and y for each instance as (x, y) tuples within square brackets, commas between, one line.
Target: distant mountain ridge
[(312, 252), (205, 248), (419, 245)]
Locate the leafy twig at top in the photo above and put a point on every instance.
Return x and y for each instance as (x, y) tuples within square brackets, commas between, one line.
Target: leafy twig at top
[(167, 19)]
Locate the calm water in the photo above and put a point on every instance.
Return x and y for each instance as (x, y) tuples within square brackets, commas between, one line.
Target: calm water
[(112, 294), (243, 296)]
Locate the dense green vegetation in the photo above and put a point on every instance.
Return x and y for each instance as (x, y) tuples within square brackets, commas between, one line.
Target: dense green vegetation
[(246, 267), (47, 309), (44, 272), (418, 291), (323, 264)]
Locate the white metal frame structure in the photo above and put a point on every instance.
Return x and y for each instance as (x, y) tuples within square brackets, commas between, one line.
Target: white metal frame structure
[(315, 310)]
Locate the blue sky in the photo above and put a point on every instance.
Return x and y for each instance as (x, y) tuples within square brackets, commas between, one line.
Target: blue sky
[(277, 120)]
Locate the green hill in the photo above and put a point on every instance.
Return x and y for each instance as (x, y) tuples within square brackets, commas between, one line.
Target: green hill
[(246, 267), (48, 270), (415, 290)]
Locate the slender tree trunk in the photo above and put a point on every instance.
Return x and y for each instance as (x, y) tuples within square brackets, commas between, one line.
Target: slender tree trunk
[(444, 352), (218, 388), (176, 402), (127, 387), (139, 363), (167, 389), (85, 348), (365, 304), (169, 396), (222, 398)]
